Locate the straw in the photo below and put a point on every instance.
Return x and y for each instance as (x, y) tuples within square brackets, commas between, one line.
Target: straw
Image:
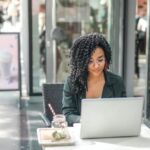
[(51, 109)]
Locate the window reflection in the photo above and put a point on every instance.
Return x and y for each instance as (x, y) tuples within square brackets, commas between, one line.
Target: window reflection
[(42, 37), (38, 45), (75, 18), (148, 92), (140, 48), (10, 16)]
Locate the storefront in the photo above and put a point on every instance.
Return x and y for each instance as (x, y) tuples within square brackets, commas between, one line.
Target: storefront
[(55, 24)]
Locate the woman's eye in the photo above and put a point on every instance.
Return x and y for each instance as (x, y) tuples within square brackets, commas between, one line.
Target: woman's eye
[(97, 61), (90, 61), (100, 60)]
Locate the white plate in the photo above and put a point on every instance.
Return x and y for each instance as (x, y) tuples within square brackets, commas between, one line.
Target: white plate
[(44, 138)]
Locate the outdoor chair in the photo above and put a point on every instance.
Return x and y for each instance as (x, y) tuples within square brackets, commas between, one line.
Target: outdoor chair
[(52, 93)]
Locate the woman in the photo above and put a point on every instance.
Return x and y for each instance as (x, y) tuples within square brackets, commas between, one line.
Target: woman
[(89, 78)]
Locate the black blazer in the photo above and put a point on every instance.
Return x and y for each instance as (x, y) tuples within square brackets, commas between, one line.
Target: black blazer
[(114, 87)]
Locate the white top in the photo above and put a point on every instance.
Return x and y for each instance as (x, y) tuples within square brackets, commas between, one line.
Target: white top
[(142, 25)]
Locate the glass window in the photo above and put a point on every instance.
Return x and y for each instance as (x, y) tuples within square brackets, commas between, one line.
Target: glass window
[(140, 48), (75, 18), (148, 94), (10, 16), (68, 19), (38, 45)]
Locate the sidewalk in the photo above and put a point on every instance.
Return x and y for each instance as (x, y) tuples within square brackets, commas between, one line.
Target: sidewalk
[(9, 121), (18, 123)]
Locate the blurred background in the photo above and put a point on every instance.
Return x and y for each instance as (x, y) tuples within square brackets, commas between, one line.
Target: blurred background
[(36, 36)]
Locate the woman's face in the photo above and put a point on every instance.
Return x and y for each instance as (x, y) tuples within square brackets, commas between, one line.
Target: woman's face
[(97, 62)]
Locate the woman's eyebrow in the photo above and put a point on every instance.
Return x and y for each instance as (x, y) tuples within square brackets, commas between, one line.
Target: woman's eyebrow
[(101, 56)]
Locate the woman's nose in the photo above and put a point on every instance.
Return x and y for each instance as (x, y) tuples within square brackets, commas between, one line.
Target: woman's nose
[(96, 64)]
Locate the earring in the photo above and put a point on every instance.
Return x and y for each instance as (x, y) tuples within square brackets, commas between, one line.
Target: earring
[(106, 65)]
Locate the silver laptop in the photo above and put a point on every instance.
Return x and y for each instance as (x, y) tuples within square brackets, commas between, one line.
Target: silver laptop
[(111, 117)]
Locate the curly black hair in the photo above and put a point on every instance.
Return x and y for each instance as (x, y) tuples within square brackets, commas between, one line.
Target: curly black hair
[(81, 52)]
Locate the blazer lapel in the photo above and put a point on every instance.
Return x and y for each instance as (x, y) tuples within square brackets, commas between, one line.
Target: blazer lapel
[(108, 87), (107, 91), (79, 99)]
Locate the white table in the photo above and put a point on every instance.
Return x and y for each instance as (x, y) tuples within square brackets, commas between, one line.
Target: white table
[(124, 143)]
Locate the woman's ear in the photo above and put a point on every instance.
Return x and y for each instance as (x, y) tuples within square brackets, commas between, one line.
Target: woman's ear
[(106, 65)]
